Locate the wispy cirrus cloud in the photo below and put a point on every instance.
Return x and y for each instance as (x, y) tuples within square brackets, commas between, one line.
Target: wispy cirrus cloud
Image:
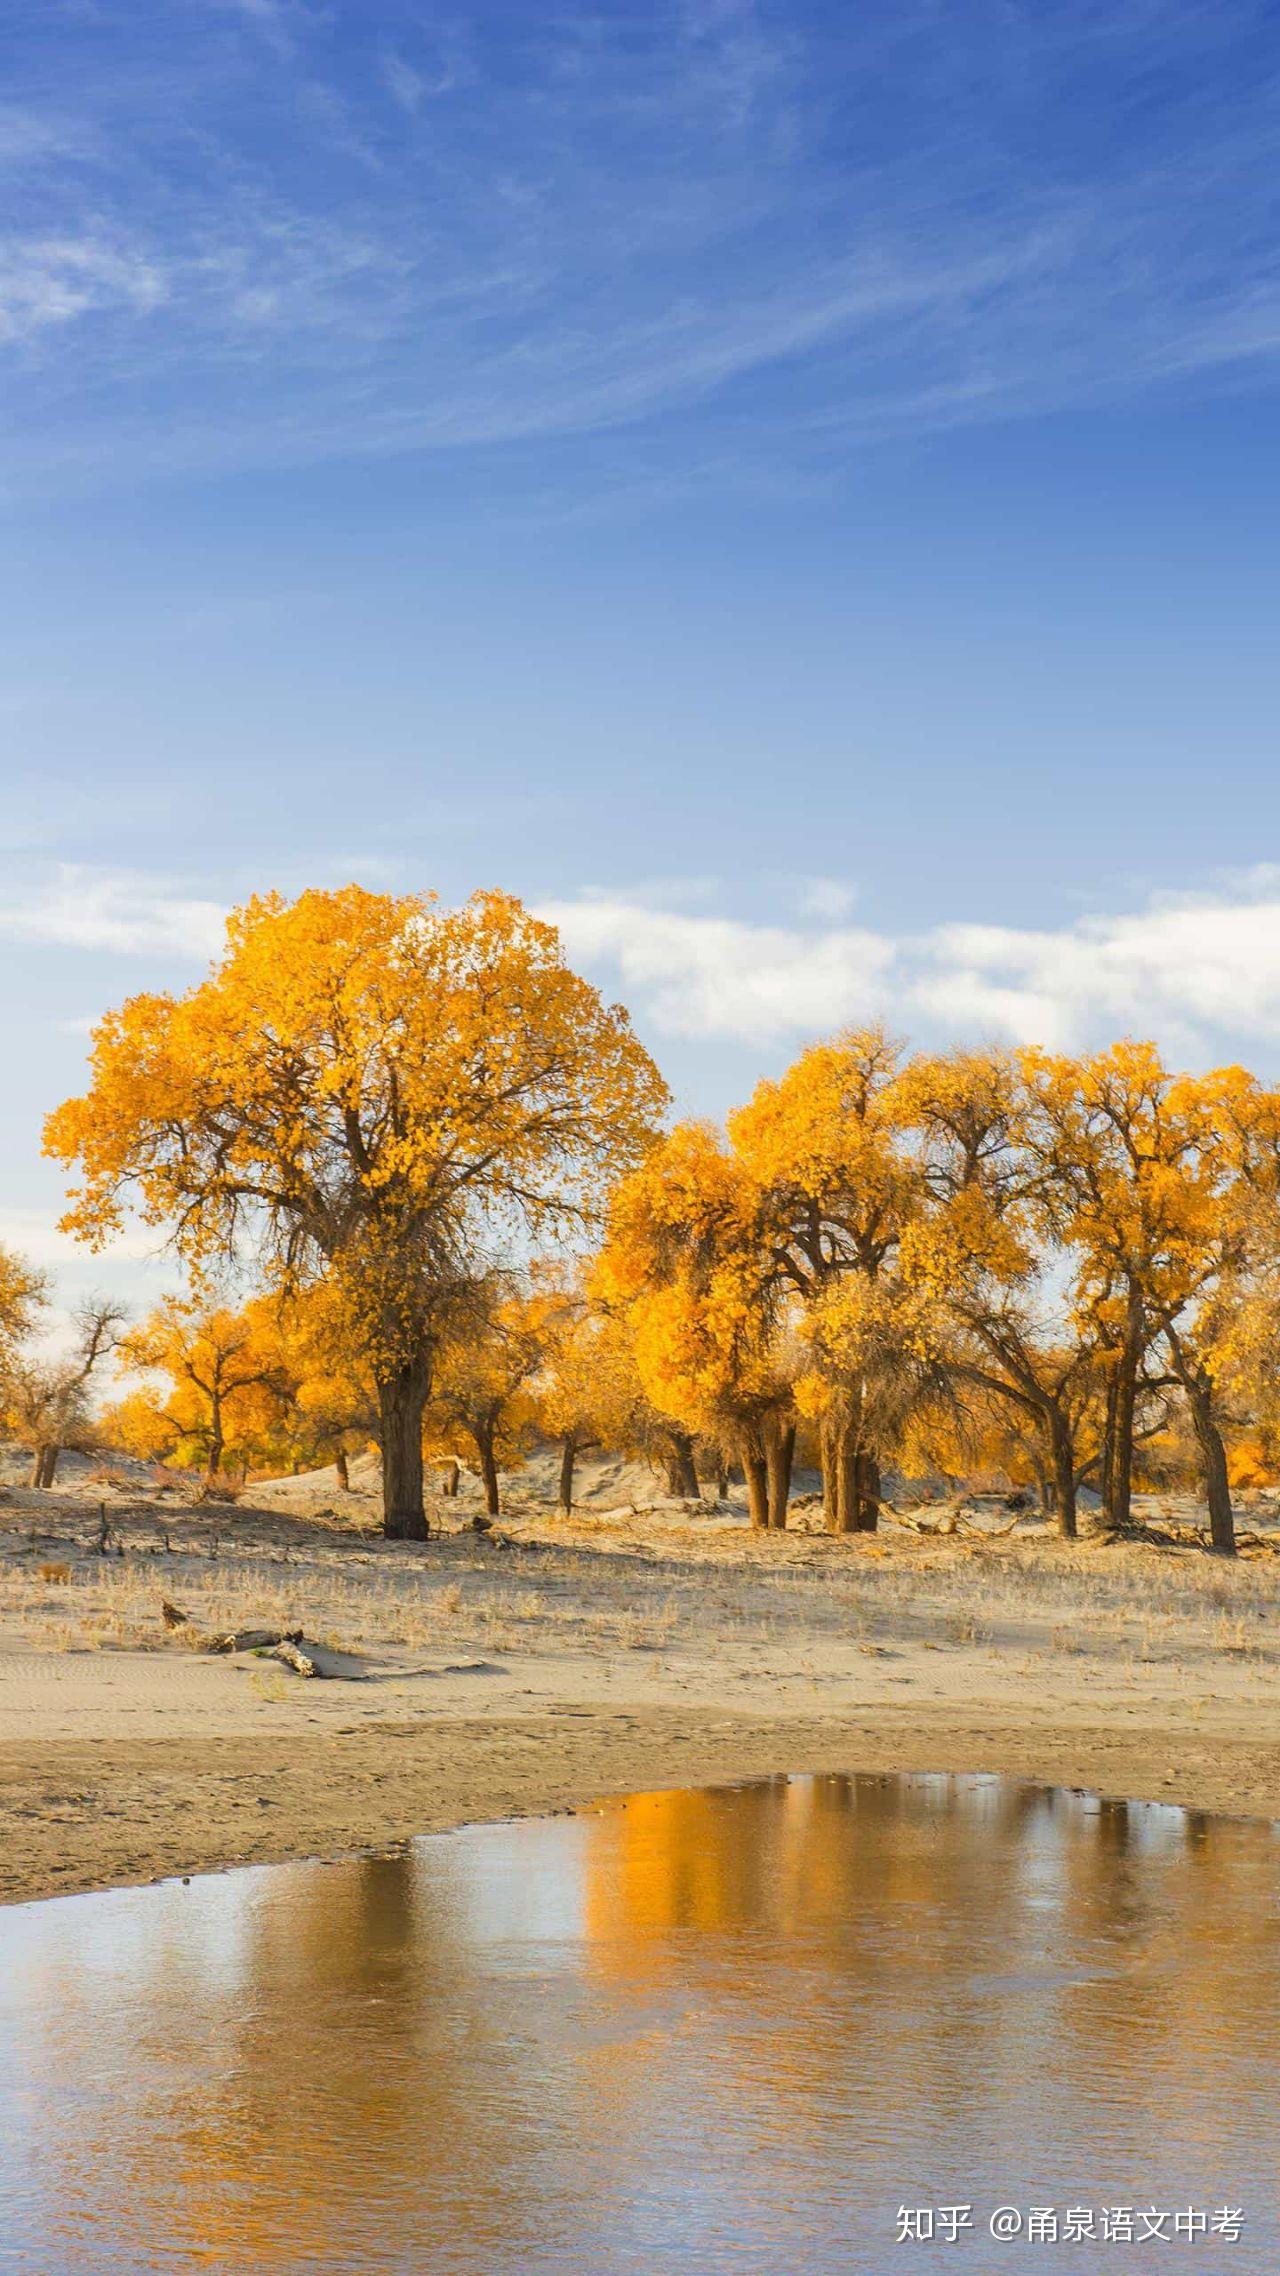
[(47, 281), (830, 897), (330, 231)]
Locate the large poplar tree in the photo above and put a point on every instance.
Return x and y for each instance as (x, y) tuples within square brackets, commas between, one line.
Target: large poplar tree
[(371, 1090)]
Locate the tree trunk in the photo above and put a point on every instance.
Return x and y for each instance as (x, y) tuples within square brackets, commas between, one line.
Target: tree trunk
[(682, 1474), (828, 1455), (37, 1465), (722, 1479), (778, 1461), (755, 1470), (567, 1453), (451, 1481), (1106, 1460), (1213, 1466), (401, 1400), (344, 1474), (1064, 1474), (1119, 1469), (867, 1488), (842, 1511), (488, 1469), (49, 1464), (1120, 1496)]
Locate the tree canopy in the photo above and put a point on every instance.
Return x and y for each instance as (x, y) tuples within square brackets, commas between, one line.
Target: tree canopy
[(385, 1111), (371, 1089)]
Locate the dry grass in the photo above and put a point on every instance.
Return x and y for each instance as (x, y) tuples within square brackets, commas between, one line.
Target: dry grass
[(637, 1585), (274, 1687)]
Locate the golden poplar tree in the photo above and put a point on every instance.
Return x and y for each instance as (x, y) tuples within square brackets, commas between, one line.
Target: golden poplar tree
[(483, 1402), (687, 1262), (822, 1146), (224, 1384), (23, 1293), (984, 1249), (1143, 1174), (365, 1088)]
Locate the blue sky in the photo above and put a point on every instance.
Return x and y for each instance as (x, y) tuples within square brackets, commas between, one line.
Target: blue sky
[(791, 489)]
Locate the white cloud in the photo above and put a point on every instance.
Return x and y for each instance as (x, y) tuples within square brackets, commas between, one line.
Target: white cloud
[(1201, 973), (405, 85), (34, 1234), (704, 976), (135, 1269), (120, 911), (826, 897), (1194, 965), (411, 86), (51, 280), (1198, 972), (269, 18)]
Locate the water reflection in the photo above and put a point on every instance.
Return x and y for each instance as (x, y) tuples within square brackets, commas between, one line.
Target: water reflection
[(727, 2030)]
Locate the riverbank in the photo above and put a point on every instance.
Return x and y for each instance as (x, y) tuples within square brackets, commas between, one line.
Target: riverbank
[(644, 1649)]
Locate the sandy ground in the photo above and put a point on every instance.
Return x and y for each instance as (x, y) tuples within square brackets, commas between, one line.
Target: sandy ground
[(647, 1647)]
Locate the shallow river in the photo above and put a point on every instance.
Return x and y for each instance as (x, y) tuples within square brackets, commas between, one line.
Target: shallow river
[(760, 2030)]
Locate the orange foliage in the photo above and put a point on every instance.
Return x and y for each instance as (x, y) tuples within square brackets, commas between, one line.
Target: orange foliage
[(366, 1088)]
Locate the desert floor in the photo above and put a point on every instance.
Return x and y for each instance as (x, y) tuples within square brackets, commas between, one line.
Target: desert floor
[(631, 1648)]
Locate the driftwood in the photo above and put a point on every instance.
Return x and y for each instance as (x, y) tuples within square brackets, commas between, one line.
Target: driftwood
[(283, 1644), (944, 1521), (954, 1517), (494, 1538), (292, 1654), (253, 1639)]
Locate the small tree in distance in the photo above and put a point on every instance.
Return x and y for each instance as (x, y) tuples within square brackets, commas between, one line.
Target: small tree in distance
[(23, 1295), (482, 1400), (48, 1398), (226, 1384)]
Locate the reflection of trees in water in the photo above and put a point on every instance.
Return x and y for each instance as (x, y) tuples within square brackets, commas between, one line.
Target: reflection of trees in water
[(840, 1919), (799, 1970), (945, 1955), (359, 2070), (1181, 1908)]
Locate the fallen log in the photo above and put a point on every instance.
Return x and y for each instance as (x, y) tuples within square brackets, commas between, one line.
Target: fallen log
[(254, 1639), (292, 1654)]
